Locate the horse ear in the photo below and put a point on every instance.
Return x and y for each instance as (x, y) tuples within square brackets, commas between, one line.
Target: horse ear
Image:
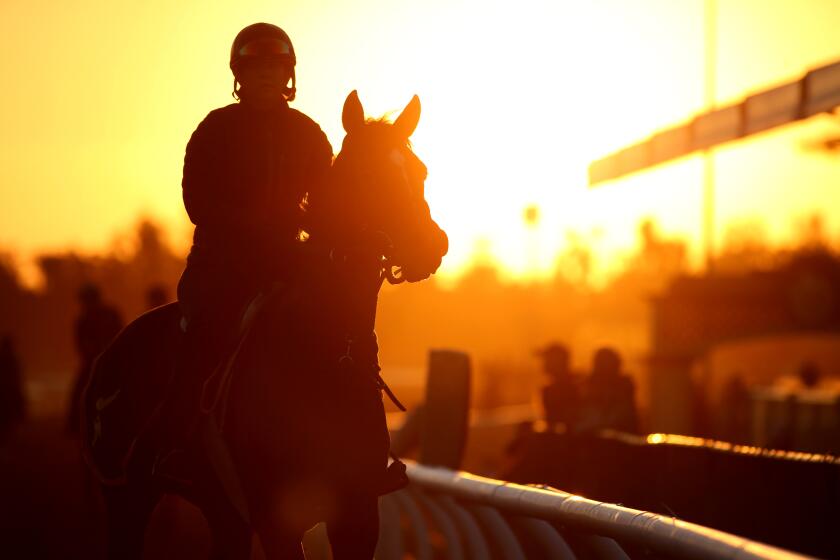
[(408, 119), (353, 115)]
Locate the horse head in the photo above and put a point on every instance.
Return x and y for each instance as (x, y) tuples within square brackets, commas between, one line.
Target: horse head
[(382, 184)]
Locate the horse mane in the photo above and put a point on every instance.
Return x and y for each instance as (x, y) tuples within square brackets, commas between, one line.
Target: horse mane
[(382, 123)]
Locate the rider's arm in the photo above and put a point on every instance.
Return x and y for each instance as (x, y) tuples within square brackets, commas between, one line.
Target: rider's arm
[(206, 196), (322, 206)]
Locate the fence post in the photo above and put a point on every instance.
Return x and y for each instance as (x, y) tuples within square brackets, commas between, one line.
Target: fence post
[(443, 436)]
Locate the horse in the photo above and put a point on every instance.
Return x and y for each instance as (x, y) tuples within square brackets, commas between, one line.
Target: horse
[(294, 432)]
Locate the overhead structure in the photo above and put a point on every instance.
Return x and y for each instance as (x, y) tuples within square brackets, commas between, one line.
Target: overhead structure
[(818, 91)]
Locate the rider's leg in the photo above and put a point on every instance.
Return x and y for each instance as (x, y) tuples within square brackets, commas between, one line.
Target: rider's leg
[(128, 509), (207, 339)]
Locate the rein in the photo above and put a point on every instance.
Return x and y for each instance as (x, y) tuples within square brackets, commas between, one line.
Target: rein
[(365, 334), (391, 273)]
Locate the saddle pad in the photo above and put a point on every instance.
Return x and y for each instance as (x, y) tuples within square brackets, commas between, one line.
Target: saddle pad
[(111, 446), (126, 389)]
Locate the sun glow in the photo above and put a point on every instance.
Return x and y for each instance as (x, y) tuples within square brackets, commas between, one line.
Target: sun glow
[(508, 113), (512, 117), (517, 99), (517, 102)]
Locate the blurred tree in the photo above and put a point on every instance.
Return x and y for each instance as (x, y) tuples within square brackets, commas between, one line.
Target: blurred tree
[(745, 248), (42, 320)]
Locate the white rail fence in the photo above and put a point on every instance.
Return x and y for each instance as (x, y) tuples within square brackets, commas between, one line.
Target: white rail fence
[(451, 514)]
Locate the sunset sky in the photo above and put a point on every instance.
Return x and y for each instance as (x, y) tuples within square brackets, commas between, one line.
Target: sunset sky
[(100, 98)]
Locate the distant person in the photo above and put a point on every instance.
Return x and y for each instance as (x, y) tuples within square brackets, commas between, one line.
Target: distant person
[(735, 413), (12, 402), (561, 396), (156, 296), (809, 375), (608, 396), (95, 328), (516, 451)]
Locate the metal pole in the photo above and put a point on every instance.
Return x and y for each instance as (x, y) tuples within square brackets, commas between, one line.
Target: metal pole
[(708, 156)]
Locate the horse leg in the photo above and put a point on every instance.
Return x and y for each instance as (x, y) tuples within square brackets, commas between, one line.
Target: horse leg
[(231, 535), (280, 543), (354, 532), (128, 509)]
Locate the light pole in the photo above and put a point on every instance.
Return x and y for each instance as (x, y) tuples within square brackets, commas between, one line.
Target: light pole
[(708, 155)]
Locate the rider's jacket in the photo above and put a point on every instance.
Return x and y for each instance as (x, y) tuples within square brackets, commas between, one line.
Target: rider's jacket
[(246, 174)]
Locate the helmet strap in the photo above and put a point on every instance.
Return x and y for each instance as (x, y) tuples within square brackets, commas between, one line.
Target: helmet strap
[(291, 91)]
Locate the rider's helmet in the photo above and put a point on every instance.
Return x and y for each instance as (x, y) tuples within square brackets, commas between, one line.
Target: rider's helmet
[(263, 40)]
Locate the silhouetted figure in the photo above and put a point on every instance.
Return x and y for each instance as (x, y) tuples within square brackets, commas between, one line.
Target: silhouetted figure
[(608, 400), (735, 410), (248, 170), (516, 450), (561, 396), (12, 401), (701, 423), (95, 328), (156, 296), (809, 375)]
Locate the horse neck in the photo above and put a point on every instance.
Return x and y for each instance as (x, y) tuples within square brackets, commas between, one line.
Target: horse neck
[(362, 298)]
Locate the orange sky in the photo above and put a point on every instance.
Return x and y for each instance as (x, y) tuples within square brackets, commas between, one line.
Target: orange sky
[(518, 97)]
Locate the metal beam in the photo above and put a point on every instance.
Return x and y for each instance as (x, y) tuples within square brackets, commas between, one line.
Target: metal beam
[(818, 91)]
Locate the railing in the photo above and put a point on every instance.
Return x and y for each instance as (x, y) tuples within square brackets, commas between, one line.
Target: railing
[(446, 513)]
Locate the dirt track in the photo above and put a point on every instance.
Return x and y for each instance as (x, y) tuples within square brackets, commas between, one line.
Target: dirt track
[(46, 512)]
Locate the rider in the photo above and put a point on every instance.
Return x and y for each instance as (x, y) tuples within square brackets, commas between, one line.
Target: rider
[(248, 170)]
